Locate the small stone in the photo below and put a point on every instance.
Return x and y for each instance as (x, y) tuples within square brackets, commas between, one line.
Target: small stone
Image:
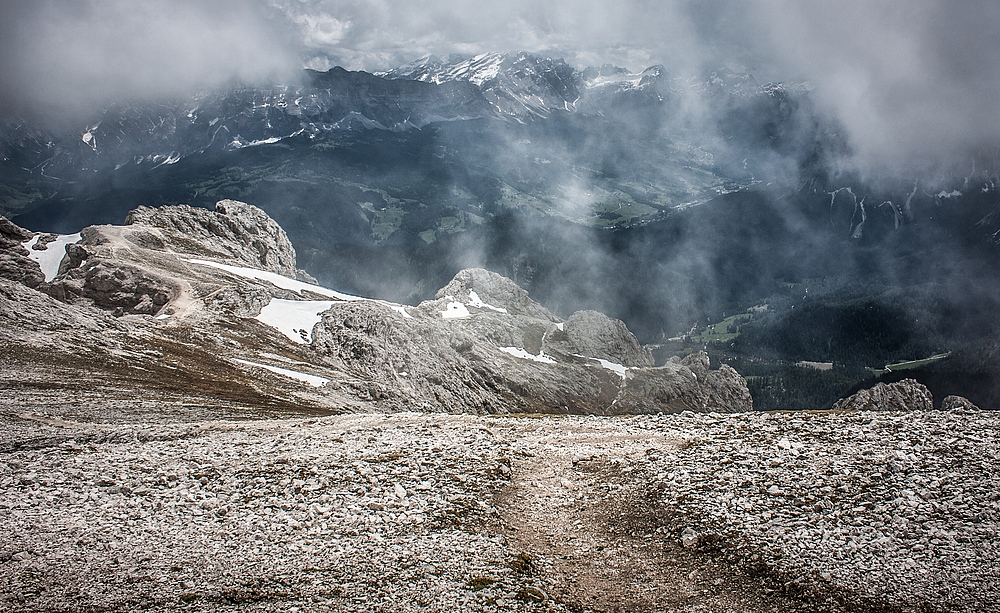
[(689, 538), (400, 492), (428, 569)]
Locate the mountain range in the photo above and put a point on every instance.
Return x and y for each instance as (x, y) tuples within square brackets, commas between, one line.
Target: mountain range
[(703, 210)]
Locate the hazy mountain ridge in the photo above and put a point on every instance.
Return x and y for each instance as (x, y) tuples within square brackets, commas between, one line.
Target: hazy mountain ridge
[(520, 86)]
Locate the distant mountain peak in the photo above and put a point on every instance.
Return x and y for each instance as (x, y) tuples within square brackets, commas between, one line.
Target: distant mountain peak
[(519, 85)]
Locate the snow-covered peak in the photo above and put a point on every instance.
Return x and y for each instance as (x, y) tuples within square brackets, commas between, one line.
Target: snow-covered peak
[(430, 69), (518, 85), (609, 76)]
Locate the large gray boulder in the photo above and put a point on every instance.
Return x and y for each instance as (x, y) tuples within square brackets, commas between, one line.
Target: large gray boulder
[(905, 395)]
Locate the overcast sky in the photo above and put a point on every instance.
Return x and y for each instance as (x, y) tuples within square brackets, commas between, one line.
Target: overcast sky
[(907, 77)]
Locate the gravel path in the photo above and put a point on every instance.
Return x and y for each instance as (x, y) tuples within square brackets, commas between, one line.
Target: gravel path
[(413, 512)]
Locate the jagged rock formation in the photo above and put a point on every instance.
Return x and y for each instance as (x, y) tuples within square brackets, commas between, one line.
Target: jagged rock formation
[(905, 395), (596, 335), (690, 384), (220, 287), (14, 261), (517, 85), (233, 231), (492, 289)]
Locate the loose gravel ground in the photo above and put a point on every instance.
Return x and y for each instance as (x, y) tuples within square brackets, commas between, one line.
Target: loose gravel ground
[(416, 512)]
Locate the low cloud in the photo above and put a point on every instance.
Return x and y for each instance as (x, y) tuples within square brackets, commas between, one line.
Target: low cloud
[(62, 57), (916, 84)]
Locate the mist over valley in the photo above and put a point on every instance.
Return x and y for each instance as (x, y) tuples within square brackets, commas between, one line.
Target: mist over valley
[(670, 202)]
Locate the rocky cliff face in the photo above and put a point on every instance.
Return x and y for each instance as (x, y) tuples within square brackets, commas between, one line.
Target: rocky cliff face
[(234, 233), (224, 286), (14, 261)]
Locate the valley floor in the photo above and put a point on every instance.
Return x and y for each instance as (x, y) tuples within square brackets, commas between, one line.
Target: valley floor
[(429, 512)]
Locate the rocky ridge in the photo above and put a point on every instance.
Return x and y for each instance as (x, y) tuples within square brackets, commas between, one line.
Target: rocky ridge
[(216, 295), (234, 232)]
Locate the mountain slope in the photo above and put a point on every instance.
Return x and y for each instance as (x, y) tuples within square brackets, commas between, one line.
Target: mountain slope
[(203, 295)]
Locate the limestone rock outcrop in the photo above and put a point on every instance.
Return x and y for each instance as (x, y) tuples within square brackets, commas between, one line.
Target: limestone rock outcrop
[(596, 335), (905, 395), (950, 403), (233, 232), (129, 269), (484, 346), (14, 261)]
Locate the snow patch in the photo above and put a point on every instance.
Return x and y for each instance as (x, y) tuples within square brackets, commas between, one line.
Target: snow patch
[(277, 280), (455, 310), (952, 194), (50, 259), (618, 368), (524, 355), (475, 301), (312, 380), (295, 285), (266, 141), (294, 318)]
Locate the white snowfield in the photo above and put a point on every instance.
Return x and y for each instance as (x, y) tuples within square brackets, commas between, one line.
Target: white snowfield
[(277, 280), (294, 318), (517, 352), (52, 257), (312, 380), (618, 368), (455, 310), (476, 301)]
